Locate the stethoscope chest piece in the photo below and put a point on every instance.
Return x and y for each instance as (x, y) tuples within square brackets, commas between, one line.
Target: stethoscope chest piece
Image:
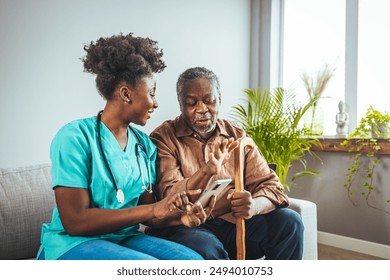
[(120, 196), (149, 189)]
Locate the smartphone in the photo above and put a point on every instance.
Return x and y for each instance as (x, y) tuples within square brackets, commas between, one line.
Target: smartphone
[(215, 188)]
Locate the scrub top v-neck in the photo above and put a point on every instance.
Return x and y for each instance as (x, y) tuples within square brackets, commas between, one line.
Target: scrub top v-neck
[(77, 162)]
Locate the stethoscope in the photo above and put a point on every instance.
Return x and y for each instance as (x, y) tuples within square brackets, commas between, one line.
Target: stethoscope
[(138, 147)]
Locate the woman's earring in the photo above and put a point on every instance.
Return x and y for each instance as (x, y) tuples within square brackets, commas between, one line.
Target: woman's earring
[(128, 100)]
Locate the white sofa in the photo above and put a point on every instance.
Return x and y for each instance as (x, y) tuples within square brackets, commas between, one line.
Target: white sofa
[(27, 201)]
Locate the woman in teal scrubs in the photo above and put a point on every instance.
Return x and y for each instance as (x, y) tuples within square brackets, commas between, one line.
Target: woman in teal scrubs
[(103, 170)]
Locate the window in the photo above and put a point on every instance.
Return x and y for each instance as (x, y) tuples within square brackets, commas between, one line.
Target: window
[(352, 35), (314, 35), (373, 56)]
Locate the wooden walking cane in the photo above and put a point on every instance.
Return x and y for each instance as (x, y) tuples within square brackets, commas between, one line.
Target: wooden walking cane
[(239, 157)]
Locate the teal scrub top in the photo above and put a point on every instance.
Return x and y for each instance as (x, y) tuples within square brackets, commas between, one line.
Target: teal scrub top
[(77, 162)]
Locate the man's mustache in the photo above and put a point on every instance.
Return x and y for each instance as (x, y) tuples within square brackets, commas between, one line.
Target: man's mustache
[(205, 117)]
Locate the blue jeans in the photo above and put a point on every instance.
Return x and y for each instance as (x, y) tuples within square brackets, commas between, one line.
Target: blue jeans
[(140, 247), (277, 235)]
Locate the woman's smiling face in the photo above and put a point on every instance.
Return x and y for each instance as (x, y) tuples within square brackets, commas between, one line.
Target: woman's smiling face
[(144, 100)]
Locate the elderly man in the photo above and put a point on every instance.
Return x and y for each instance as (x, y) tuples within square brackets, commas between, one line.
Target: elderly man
[(186, 146)]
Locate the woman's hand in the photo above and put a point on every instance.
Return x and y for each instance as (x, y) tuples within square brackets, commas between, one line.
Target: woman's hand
[(220, 154), (196, 215), (174, 203)]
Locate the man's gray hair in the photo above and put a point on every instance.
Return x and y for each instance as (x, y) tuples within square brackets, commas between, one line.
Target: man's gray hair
[(194, 73)]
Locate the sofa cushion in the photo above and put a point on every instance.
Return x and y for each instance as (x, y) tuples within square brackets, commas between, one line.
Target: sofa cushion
[(26, 201)]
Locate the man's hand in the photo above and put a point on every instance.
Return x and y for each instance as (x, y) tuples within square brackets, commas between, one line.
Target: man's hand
[(243, 205), (220, 154)]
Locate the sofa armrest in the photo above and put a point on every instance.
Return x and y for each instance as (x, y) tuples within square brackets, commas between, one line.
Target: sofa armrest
[(26, 201), (308, 212)]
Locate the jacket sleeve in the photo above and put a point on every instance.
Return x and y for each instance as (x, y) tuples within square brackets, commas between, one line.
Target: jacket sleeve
[(261, 180)]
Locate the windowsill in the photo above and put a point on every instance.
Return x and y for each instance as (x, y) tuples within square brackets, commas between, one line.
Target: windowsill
[(328, 144)]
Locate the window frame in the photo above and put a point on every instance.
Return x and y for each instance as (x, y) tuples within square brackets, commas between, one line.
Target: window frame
[(266, 55)]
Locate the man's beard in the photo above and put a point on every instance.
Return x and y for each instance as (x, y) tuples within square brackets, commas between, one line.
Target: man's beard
[(204, 129)]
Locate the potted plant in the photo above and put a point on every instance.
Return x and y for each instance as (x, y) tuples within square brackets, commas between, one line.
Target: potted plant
[(365, 140), (315, 86), (272, 120)]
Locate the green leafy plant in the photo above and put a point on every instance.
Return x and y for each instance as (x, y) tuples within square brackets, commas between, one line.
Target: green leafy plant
[(364, 140), (272, 120)]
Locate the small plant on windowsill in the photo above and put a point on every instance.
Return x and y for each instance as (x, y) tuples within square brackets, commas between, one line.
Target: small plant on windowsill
[(364, 140), (315, 86)]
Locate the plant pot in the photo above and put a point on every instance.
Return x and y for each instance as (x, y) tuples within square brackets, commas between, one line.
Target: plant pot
[(380, 131)]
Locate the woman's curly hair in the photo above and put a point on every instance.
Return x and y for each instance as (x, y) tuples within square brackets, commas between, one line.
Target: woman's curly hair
[(121, 58)]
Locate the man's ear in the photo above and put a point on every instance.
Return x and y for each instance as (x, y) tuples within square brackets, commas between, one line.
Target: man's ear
[(125, 94)]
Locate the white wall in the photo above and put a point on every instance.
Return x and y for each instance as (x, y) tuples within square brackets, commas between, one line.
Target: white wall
[(42, 83)]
